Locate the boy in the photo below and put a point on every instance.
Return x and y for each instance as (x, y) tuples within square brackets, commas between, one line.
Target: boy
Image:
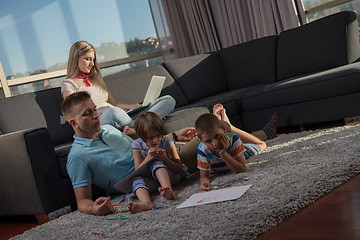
[(220, 151)]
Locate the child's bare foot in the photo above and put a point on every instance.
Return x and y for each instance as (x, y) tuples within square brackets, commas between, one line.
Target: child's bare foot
[(223, 115), (216, 110), (136, 207), (128, 130), (167, 193)]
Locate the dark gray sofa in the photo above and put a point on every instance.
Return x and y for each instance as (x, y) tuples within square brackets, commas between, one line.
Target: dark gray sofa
[(308, 74)]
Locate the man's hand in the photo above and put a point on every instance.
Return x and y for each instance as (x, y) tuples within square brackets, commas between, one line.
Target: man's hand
[(102, 206), (186, 134)]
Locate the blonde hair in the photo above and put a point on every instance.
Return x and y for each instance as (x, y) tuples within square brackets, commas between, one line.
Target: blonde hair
[(77, 50), (72, 100), (146, 121)]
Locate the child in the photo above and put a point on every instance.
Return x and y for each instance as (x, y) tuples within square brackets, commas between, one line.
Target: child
[(166, 169), (220, 151)]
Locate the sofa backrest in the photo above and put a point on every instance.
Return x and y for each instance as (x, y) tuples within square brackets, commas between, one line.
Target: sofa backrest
[(250, 63), (35, 110), (326, 43), (198, 76), (131, 86)]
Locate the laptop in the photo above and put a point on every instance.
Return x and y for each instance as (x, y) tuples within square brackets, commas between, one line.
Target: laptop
[(152, 93)]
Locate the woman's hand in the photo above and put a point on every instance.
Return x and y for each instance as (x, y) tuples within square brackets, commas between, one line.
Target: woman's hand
[(127, 107)]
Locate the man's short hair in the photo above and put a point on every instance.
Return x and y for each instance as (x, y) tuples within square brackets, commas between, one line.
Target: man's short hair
[(205, 123), (72, 100)]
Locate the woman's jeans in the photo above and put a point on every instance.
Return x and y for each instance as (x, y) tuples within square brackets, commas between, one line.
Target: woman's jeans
[(118, 118)]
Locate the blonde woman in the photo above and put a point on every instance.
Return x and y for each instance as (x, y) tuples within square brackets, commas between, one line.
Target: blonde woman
[(83, 74)]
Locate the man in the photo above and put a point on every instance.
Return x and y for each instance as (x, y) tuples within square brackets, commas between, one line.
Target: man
[(99, 154)]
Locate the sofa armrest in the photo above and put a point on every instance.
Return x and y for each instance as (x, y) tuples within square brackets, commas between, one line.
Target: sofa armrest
[(30, 179)]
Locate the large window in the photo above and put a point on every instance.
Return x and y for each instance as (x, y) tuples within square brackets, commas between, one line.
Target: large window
[(316, 9), (36, 35)]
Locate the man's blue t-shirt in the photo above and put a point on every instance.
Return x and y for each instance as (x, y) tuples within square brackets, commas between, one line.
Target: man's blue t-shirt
[(97, 160)]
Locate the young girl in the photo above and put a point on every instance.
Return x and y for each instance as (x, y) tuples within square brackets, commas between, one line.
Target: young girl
[(83, 74), (167, 168)]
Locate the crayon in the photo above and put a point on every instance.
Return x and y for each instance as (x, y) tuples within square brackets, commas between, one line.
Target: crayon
[(108, 189), (123, 199), (95, 233), (117, 218), (157, 208)]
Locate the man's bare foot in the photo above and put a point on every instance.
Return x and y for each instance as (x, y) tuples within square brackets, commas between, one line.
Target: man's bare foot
[(167, 193), (128, 130), (216, 110), (136, 207)]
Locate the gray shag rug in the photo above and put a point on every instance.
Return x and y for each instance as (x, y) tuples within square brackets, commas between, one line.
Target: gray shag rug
[(294, 171)]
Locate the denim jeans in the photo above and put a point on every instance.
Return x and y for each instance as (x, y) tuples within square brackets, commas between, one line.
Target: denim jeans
[(118, 118)]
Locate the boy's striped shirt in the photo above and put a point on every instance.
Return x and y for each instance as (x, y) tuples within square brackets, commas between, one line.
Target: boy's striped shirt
[(206, 160)]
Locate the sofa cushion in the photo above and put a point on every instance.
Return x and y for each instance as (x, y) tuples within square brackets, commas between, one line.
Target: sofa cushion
[(198, 76), (138, 81), (35, 110), (224, 98), (322, 110), (229, 99), (317, 46), (61, 153), (334, 82), (250, 63), (183, 118)]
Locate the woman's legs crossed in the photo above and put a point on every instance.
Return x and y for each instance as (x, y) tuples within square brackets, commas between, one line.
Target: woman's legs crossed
[(162, 106), (116, 117)]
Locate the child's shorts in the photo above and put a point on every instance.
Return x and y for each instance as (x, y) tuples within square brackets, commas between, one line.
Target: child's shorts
[(139, 181), (175, 178), (251, 150)]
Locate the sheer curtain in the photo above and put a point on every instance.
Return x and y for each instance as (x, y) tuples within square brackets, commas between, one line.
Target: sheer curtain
[(198, 26)]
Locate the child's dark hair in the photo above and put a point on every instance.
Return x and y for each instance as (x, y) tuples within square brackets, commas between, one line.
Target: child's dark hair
[(71, 100), (225, 125), (148, 120), (205, 123)]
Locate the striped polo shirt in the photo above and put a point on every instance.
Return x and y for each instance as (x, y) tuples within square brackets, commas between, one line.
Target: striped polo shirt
[(206, 160)]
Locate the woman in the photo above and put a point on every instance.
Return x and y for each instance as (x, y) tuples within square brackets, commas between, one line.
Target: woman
[(83, 74)]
